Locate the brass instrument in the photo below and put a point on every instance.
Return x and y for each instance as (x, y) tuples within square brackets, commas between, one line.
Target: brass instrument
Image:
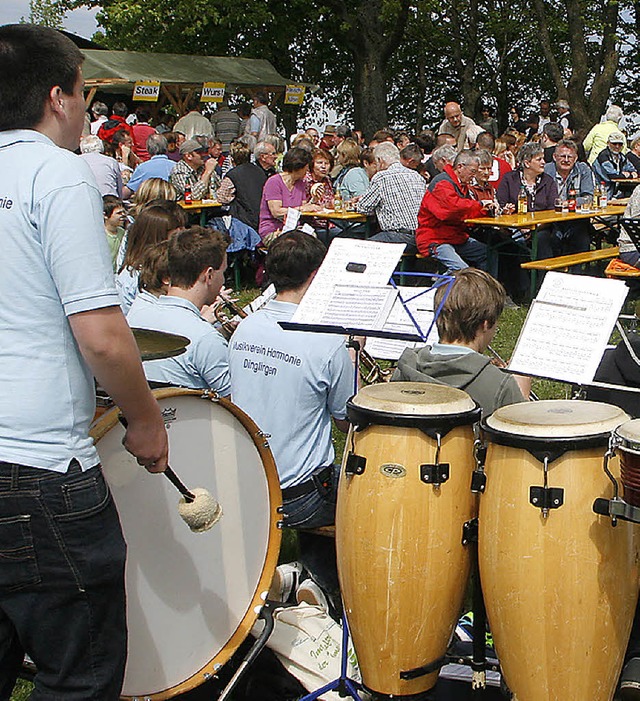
[(228, 314), (371, 372)]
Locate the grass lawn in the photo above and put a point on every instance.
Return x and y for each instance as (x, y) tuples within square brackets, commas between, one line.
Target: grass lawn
[(505, 340)]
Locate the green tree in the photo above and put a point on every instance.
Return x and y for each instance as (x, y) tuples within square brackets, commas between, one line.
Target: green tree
[(48, 13)]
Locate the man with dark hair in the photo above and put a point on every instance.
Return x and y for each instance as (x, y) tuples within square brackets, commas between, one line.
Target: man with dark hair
[(197, 262), (115, 218), (291, 383), (411, 156), (62, 596), (466, 325), (193, 171), (241, 188), (141, 131), (552, 134), (226, 125), (158, 166), (115, 123)]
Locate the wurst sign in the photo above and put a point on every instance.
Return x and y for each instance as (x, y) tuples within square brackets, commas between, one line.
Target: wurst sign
[(212, 92)]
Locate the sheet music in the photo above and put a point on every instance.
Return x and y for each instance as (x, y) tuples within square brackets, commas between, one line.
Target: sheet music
[(359, 307), (349, 263), (291, 220), (420, 302), (568, 327)]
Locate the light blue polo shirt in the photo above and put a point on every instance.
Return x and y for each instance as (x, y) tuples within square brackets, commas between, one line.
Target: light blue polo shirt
[(55, 263), (159, 166), (204, 364), (290, 383)]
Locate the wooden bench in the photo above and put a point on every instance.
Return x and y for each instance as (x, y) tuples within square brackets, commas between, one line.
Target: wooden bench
[(566, 262)]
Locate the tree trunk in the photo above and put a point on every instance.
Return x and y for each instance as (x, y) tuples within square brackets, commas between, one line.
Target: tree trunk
[(586, 107), (370, 93)]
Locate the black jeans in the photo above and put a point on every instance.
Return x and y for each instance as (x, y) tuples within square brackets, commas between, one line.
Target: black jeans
[(62, 596)]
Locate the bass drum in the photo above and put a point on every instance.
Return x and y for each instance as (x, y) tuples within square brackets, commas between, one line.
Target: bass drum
[(192, 598), (560, 582)]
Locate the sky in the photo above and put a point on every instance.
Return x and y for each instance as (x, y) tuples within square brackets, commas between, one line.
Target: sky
[(81, 22)]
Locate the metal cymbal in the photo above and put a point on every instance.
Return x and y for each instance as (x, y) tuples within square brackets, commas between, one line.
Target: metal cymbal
[(154, 345)]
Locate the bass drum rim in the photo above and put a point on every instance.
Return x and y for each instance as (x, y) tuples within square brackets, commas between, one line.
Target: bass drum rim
[(109, 420)]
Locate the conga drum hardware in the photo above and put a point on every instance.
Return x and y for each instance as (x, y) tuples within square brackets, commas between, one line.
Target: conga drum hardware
[(478, 477), (625, 441)]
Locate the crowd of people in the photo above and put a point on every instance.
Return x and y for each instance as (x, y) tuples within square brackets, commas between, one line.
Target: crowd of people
[(418, 189), (77, 257)]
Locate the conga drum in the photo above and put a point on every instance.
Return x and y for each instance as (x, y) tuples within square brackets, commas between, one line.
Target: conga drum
[(560, 582), (627, 446), (192, 598), (404, 497)]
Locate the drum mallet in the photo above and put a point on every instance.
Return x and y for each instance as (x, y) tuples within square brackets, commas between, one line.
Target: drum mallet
[(197, 508)]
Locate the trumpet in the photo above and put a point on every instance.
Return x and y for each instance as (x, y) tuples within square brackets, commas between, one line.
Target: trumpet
[(228, 314), (371, 372)]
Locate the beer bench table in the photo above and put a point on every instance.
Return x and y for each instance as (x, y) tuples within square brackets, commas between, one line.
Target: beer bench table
[(532, 220), (565, 262)]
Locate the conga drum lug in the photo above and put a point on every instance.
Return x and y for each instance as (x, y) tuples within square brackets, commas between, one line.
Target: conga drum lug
[(470, 531), (546, 497), (435, 474), (478, 482), (355, 464)]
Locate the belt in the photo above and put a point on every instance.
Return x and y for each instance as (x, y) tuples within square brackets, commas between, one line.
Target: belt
[(320, 478)]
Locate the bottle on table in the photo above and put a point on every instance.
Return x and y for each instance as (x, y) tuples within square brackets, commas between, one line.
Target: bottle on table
[(187, 195), (604, 199), (596, 196), (523, 201), (572, 199), (337, 201)]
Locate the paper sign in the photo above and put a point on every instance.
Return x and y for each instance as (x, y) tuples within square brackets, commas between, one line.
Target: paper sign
[(212, 92), (146, 91), (568, 326), (294, 95), (291, 220)]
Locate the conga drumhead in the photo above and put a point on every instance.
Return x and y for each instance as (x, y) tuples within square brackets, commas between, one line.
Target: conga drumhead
[(192, 598), (627, 436), (413, 399), (555, 418)]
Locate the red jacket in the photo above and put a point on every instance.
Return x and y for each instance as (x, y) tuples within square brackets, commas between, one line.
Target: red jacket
[(141, 132), (111, 126), (445, 206)]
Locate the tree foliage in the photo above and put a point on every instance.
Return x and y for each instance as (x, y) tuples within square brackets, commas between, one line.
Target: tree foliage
[(394, 62), (48, 13)]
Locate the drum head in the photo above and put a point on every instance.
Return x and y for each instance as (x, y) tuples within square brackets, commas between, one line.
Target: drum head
[(192, 598), (413, 399), (555, 419), (627, 436)]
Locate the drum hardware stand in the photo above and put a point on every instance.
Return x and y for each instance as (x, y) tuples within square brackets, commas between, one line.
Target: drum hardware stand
[(546, 497), (343, 685), (266, 614), (615, 508)]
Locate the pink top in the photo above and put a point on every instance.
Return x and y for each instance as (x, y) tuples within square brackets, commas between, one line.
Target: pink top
[(275, 189)]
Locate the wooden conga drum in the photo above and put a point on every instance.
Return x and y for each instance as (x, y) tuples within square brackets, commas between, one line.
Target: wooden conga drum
[(627, 443), (560, 582), (403, 499)]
